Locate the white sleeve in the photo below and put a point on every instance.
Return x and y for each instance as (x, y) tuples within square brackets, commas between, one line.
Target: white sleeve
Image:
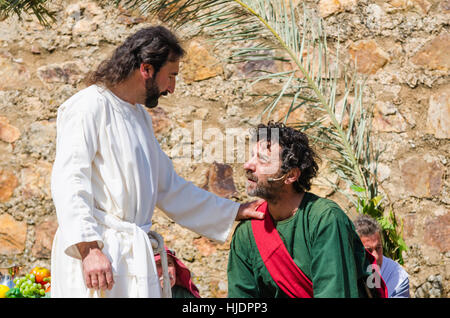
[(76, 146), (196, 209)]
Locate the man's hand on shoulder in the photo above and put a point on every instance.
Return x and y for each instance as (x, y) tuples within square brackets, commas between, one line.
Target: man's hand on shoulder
[(248, 210)]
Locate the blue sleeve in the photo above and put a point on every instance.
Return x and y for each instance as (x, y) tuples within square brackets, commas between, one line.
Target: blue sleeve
[(402, 289)]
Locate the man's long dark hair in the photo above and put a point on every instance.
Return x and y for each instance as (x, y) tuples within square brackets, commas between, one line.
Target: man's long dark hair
[(295, 152), (154, 45)]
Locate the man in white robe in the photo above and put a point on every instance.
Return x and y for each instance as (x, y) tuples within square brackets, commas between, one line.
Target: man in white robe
[(110, 173)]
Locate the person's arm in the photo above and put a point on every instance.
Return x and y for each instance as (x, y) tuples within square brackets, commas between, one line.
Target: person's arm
[(241, 280), (402, 289), (76, 146), (333, 267), (196, 209)]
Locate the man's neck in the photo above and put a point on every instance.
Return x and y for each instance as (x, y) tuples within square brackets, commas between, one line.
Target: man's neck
[(285, 206), (127, 91)]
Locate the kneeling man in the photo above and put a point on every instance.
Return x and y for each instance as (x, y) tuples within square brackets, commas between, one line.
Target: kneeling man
[(306, 246)]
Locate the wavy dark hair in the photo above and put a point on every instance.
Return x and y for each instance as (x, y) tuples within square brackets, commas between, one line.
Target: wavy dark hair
[(154, 45), (295, 152)]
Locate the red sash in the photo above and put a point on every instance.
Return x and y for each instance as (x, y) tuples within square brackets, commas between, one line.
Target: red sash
[(382, 290), (286, 274)]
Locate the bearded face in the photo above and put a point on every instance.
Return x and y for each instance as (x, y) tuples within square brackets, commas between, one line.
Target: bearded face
[(261, 188), (152, 93)]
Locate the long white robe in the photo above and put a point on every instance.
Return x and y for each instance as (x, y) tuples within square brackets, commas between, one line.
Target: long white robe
[(109, 174)]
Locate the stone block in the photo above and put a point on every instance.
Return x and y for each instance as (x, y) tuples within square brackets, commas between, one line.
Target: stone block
[(160, 119), (329, 7), (8, 133), (12, 235), (12, 75), (69, 72), (219, 180), (386, 118), (445, 6), (437, 230), (409, 225), (205, 247), (84, 27), (435, 54), (199, 64), (368, 56), (36, 181), (44, 234), (438, 120), (8, 182), (422, 5), (422, 176)]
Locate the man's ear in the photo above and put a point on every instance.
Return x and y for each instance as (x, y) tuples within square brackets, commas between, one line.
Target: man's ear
[(293, 175), (147, 71)]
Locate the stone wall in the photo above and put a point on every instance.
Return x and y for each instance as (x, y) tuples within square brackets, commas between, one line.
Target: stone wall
[(402, 45)]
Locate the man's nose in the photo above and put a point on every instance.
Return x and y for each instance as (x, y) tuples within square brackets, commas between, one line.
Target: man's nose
[(171, 88), (249, 165)]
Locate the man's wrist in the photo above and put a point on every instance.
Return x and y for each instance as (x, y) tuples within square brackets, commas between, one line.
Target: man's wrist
[(85, 247)]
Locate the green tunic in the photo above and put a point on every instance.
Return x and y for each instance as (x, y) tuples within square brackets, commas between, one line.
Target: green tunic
[(181, 292), (322, 241)]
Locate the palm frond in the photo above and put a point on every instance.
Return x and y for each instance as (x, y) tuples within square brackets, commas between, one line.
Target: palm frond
[(275, 31), (37, 8)]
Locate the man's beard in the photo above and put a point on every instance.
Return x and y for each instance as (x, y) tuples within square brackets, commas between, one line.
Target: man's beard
[(152, 93), (267, 191)]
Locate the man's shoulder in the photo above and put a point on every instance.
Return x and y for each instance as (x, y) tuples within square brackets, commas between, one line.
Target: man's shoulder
[(87, 99), (324, 209), (243, 231), (392, 266)]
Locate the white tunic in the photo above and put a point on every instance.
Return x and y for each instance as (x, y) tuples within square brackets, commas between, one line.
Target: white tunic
[(109, 174)]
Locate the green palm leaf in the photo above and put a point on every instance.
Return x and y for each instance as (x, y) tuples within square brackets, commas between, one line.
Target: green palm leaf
[(36, 7)]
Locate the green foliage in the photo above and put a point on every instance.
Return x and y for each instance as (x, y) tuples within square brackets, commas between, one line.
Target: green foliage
[(393, 243), (36, 7)]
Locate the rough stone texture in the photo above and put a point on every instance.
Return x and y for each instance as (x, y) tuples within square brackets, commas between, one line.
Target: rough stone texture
[(368, 56), (160, 120), (8, 133), (435, 54), (388, 119), (44, 234), (438, 119), (13, 74), (36, 181), (437, 232), (8, 182), (402, 47), (220, 180), (12, 235), (199, 64), (422, 176)]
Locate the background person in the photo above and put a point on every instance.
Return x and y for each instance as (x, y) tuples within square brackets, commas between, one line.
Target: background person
[(180, 276), (393, 274)]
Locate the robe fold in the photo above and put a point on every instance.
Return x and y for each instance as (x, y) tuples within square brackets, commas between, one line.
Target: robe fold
[(109, 174)]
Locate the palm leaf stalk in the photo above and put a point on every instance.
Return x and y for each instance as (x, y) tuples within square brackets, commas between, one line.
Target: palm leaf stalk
[(275, 24), (274, 27)]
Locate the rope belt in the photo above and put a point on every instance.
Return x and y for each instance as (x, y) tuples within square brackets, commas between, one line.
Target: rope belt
[(140, 243)]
